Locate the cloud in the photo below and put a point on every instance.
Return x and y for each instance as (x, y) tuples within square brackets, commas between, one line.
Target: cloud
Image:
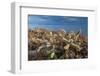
[(71, 18)]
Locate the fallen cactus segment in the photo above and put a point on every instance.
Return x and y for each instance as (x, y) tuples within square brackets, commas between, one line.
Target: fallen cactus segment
[(44, 44)]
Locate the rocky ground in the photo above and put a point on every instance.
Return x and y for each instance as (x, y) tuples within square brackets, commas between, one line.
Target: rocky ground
[(44, 44)]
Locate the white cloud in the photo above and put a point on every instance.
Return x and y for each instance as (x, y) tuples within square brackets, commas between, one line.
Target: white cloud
[(71, 18)]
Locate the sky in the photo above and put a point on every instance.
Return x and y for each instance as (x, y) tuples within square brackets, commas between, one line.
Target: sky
[(68, 23)]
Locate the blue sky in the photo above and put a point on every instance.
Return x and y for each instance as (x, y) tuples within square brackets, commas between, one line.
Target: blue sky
[(68, 23)]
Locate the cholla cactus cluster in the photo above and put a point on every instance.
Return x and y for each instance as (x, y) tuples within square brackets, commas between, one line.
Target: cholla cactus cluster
[(44, 44)]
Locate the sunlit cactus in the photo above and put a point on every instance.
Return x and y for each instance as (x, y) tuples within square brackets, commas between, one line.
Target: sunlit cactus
[(58, 44)]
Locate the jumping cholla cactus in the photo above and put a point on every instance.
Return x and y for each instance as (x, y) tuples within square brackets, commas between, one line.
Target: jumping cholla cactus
[(60, 44)]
